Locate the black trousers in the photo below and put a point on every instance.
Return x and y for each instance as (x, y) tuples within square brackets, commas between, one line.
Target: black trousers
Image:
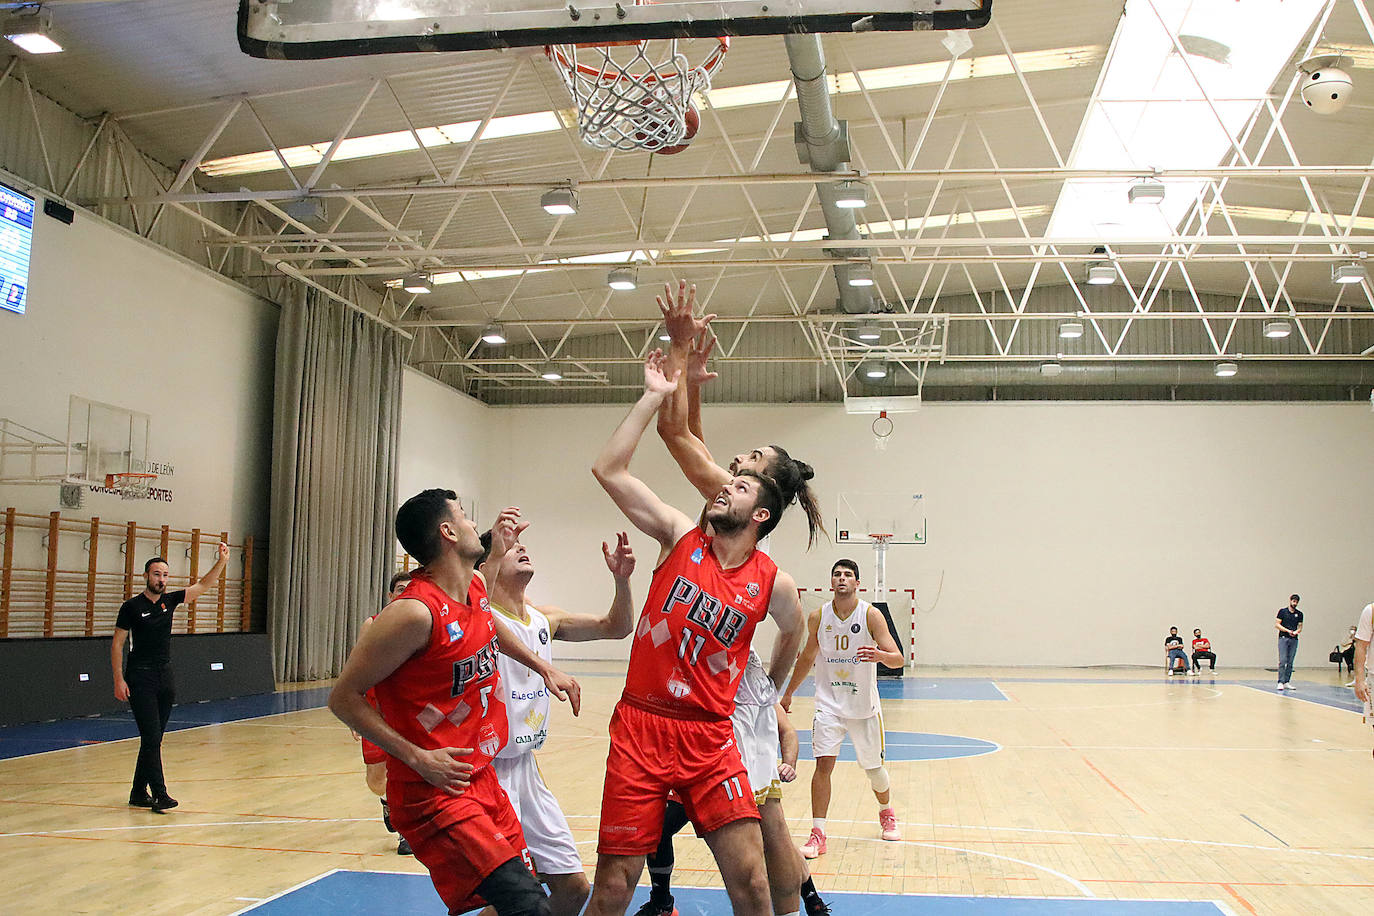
[(151, 694), (1210, 656)]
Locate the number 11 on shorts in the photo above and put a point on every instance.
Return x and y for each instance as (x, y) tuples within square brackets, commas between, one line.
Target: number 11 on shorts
[(732, 788)]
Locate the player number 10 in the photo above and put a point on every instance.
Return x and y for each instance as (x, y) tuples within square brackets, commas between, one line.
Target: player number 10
[(842, 642)]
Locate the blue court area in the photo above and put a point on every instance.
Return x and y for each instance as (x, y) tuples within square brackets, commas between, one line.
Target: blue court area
[(38, 737), (353, 893), (910, 746)]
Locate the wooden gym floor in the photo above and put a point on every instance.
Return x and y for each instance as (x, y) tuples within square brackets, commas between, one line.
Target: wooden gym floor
[(1050, 784)]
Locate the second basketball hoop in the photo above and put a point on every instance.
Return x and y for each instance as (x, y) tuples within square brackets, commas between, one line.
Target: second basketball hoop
[(636, 94)]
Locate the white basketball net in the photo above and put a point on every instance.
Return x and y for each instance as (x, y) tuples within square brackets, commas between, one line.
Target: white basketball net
[(638, 104)]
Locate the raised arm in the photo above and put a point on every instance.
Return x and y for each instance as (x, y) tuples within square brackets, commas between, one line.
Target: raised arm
[(785, 608), (197, 589), (398, 632), (679, 420), (805, 660), (617, 622), (640, 504), (886, 651)]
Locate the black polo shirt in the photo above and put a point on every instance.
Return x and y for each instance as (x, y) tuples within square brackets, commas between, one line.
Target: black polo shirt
[(1173, 642), (1289, 619), (150, 628)]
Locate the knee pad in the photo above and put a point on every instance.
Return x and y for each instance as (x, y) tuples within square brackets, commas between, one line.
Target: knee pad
[(878, 778), (512, 891)]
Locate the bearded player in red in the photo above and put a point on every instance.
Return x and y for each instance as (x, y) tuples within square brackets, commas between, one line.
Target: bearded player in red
[(431, 657), (671, 730)]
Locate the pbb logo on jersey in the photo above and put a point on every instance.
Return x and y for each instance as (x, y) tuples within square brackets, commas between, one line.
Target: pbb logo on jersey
[(753, 589), (455, 632), (697, 555), (484, 604)]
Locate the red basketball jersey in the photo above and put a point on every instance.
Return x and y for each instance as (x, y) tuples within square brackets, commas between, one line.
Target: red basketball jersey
[(448, 695), (693, 637)]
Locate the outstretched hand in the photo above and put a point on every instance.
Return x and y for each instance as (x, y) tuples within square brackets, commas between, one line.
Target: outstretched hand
[(678, 318), (697, 373), (655, 380), (621, 560), (505, 532)]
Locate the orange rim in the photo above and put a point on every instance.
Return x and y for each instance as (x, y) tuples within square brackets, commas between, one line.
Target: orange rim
[(556, 54)]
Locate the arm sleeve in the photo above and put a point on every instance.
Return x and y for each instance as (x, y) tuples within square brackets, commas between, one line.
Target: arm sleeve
[(1365, 627), (125, 620), (176, 598)]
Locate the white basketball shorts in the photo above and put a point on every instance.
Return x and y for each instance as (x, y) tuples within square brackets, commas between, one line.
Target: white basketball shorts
[(547, 835), (828, 731)]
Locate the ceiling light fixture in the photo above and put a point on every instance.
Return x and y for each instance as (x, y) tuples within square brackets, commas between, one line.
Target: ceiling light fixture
[(550, 372), (418, 283), (859, 275), (665, 336), (494, 334), (32, 31), (868, 331), (1101, 274), (559, 201), (1349, 273), (1226, 369), (1051, 369), (1277, 329), (1146, 191), (1070, 330), (874, 369), (621, 278), (851, 195)]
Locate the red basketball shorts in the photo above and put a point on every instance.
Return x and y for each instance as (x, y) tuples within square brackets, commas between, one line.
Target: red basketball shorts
[(461, 840), (652, 755), (371, 752)]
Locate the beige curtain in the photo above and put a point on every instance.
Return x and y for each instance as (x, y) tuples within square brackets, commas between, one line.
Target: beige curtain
[(336, 420)]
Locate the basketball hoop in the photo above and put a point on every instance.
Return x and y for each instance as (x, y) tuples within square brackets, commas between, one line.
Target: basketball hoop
[(641, 101), (882, 429), (131, 486)]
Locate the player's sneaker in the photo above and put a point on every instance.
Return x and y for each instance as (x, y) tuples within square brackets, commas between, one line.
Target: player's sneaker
[(888, 819), (650, 908), (386, 817), (1279, 686), (814, 845), (403, 848), (1289, 687), (819, 908)]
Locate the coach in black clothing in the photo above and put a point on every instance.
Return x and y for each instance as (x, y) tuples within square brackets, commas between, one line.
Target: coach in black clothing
[(1288, 622), (145, 620)]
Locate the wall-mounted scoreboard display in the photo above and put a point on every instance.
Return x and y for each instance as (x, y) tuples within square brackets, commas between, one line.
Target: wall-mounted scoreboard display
[(16, 239)]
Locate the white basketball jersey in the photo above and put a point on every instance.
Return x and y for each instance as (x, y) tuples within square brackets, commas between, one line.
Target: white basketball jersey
[(755, 687), (527, 699), (845, 686)]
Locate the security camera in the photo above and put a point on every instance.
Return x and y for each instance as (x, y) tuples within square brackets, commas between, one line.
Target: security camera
[(1325, 90)]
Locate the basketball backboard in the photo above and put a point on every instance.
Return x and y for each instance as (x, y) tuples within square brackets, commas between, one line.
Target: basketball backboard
[(103, 439), (310, 29), (860, 515)]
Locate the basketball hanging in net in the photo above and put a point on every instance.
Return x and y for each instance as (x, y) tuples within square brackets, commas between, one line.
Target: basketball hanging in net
[(636, 94)]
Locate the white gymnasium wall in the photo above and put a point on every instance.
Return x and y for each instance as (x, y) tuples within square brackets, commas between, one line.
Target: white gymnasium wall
[(114, 318), (1059, 534), (444, 443)]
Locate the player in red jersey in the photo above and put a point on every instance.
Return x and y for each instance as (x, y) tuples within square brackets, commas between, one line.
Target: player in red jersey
[(374, 758), (431, 657), (671, 729)]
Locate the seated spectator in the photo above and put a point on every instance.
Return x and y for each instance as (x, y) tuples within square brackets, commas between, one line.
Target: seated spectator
[(1173, 652), (1202, 648)]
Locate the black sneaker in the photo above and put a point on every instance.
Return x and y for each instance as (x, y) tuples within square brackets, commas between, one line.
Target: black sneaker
[(403, 848), (143, 800), (386, 819), (821, 908), (163, 802), (653, 908)]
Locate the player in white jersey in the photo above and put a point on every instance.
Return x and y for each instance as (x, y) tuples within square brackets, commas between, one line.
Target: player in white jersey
[(846, 638), (527, 708), (1364, 632)]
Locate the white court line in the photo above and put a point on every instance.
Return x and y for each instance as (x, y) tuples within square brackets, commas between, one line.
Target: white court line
[(306, 883), (180, 826)]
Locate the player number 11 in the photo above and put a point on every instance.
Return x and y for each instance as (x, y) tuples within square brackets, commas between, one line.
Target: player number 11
[(696, 643)]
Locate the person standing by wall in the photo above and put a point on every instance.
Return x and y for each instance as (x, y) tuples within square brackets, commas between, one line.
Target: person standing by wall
[(145, 622), (1289, 624)]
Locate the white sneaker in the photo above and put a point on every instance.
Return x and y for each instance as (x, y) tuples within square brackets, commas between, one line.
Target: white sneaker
[(1290, 687), (1350, 683), (1279, 685)]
